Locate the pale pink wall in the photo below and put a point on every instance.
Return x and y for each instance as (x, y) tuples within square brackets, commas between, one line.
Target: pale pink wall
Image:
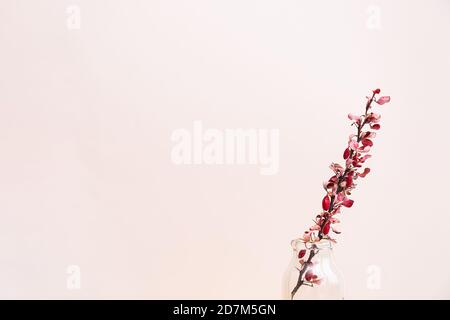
[(87, 114)]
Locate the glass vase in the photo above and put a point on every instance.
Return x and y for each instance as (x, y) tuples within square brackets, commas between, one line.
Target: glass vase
[(312, 272)]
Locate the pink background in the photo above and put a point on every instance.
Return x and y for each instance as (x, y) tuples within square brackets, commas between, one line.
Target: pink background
[(86, 118)]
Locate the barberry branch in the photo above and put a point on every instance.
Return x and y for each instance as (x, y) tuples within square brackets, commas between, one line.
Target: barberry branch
[(340, 185)]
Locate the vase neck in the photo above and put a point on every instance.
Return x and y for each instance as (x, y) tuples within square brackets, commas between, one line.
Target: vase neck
[(322, 245)]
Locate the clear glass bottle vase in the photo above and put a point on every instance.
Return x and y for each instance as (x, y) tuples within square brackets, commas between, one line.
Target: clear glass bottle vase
[(312, 272)]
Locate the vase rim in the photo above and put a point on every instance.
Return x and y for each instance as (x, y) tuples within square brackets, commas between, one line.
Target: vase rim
[(321, 244)]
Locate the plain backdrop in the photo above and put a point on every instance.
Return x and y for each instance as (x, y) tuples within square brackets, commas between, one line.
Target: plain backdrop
[(87, 112)]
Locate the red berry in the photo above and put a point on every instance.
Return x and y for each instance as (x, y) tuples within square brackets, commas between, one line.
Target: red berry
[(309, 275), (326, 228), (367, 142), (349, 180), (301, 253), (347, 203), (326, 203), (346, 153)]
